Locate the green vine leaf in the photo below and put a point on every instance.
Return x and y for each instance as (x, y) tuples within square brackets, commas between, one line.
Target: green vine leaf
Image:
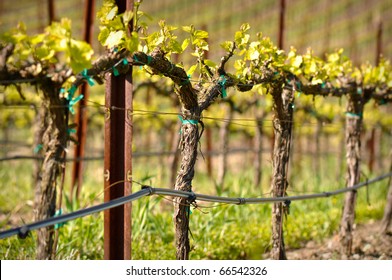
[(114, 39)]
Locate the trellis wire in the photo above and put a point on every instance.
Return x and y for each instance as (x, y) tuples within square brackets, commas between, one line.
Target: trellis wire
[(137, 112), (149, 154), (148, 190)]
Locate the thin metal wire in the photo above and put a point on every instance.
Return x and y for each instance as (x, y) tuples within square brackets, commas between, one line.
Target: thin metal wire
[(135, 154), (136, 112), (147, 190)]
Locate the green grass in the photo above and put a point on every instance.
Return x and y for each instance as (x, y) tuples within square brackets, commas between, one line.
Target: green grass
[(218, 231)]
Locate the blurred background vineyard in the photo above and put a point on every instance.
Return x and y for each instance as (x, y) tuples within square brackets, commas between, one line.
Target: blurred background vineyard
[(317, 163), (323, 25)]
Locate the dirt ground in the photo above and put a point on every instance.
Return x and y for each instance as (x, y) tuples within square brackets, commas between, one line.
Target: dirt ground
[(368, 245)]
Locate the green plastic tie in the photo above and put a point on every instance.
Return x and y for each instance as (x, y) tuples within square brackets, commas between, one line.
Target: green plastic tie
[(359, 90), (70, 131), (58, 213), (115, 71), (298, 84), (38, 148), (149, 59), (125, 61), (323, 85), (137, 60), (223, 83), (73, 102), (188, 209), (71, 92), (353, 115), (195, 122), (186, 81), (88, 78)]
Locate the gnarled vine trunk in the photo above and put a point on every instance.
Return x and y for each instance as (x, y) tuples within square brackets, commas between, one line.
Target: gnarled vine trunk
[(188, 147), (353, 157), (173, 158), (39, 129), (283, 122), (54, 143)]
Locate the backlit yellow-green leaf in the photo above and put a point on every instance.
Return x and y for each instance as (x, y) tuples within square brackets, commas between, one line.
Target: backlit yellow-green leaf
[(114, 38), (112, 13)]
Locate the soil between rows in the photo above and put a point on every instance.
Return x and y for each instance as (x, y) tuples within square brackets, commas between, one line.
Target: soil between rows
[(368, 244)]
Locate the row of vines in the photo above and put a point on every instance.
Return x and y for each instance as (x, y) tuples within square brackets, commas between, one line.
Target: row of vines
[(57, 65)]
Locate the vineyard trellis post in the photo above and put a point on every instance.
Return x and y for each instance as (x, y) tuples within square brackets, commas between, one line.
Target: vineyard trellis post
[(81, 116), (282, 11), (224, 133), (371, 143), (209, 151), (317, 153), (208, 131), (118, 159), (51, 11), (258, 143)]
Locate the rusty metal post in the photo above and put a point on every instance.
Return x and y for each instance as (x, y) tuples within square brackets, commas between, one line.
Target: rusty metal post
[(282, 10), (371, 142), (128, 134), (209, 151), (81, 117), (379, 42), (113, 166), (118, 160), (51, 11), (128, 131)]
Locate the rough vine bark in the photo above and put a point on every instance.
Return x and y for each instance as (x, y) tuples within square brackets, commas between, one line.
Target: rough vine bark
[(353, 158), (39, 129), (188, 146), (193, 101), (54, 143), (173, 158), (283, 122)]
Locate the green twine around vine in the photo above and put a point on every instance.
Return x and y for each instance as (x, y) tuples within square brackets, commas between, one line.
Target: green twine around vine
[(222, 83)]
